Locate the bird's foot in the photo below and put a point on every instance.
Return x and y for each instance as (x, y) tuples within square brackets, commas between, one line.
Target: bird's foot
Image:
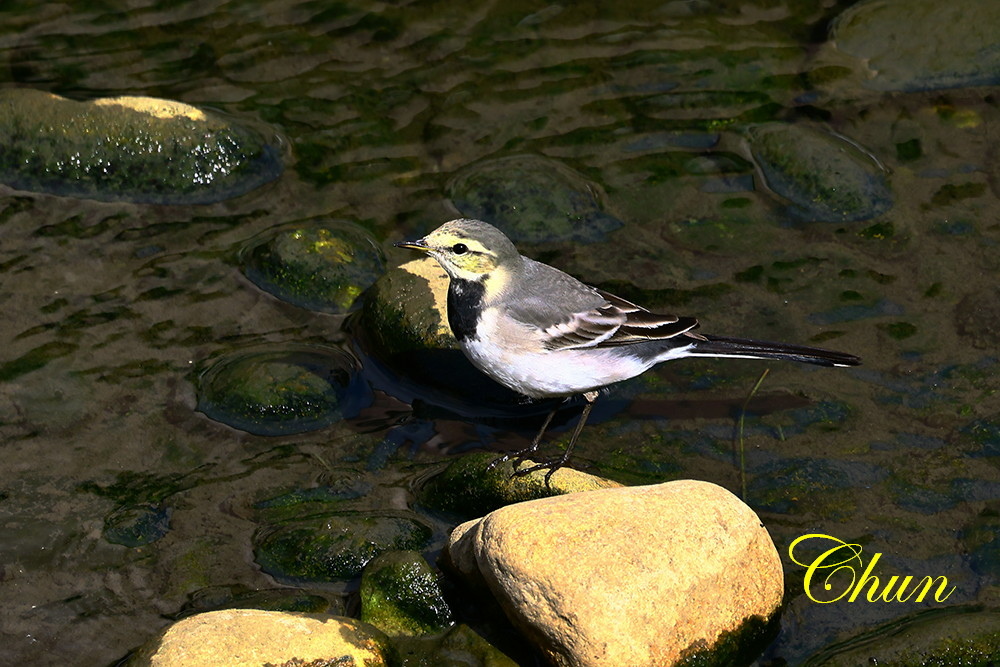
[(551, 466), (521, 456), (518, 458)]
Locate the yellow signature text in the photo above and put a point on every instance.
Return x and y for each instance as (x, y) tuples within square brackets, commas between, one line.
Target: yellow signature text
[(833, 575)]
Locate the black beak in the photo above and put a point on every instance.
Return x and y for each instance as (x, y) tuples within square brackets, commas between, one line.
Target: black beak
[(419, 244)]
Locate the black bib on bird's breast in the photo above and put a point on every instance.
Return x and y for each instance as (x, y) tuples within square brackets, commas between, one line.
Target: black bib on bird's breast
[(465, 303)]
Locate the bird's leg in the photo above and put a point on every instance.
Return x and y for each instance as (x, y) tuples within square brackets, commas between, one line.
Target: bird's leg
[(522, 454), (555, 464)]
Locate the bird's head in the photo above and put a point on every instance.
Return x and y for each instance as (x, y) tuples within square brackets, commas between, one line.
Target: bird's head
[(470, 250)]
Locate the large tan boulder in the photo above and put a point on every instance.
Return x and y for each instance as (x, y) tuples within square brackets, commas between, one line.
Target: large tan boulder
[(626, 576), (251, 637)]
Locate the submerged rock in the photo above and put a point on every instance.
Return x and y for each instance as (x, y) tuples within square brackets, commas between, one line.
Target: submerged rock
[(282, 389), (825, 177), (631, 576), (980, 540), (318, 497), (137, 525), (138, 149), (318, 266), (533, 200), (977, 317), (251, 638), (400, 595), (337, 546), (910, 45)]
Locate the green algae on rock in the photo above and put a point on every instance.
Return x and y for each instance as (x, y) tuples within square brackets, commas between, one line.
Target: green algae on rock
[(471, 486), (137, 149), (280, 390), (317, 266), (401, 595), (335, 546), (317, 498), (822, 487), (533, 200), (824, 176)]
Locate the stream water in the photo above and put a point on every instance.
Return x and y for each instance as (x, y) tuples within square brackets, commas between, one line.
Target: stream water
[(387, 114)]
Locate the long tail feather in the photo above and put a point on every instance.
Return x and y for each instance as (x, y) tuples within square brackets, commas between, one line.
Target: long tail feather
[(720, 346)]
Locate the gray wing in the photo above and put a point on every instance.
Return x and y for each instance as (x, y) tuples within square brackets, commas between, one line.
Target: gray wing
[(571, 314)]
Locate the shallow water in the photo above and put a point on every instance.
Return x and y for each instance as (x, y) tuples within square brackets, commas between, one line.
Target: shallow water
[(112, 309)]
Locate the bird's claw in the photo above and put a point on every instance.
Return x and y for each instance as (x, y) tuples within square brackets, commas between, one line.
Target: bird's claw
[(551, 466)]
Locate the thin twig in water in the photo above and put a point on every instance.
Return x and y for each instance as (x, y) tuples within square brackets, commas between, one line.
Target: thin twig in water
[(743, 413)]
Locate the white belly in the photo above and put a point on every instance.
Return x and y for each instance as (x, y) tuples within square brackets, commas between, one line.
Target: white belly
[(547, 373)]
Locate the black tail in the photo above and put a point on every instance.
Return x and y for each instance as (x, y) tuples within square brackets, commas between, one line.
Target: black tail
[(719, 346)]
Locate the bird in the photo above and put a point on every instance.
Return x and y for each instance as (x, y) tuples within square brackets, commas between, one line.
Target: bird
[(542, 333)]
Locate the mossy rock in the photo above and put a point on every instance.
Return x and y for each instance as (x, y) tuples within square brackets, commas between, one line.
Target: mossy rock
[(137, 149), (137, 525), (278, 390), (400, 595), (406, 310), (317, 266), (470, 487), (532, 199), (336, 546), (403, 329), (824, 177)]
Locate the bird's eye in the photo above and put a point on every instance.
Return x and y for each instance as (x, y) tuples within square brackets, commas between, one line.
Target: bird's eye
[(460, 248)]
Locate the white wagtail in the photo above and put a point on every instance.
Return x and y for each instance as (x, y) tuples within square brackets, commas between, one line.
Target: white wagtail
[(543, 333)]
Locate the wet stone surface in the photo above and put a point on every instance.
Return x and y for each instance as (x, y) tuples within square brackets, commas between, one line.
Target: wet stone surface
[(921, 44), (137, 525), (533, 200), (129, 149), (279, 390), (317, 266), (825, 178), (336, 546), (401, 595)]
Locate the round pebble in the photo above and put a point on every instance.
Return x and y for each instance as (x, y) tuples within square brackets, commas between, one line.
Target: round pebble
[(533, 200), (317, 266), (282, 390), (823, 176)]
